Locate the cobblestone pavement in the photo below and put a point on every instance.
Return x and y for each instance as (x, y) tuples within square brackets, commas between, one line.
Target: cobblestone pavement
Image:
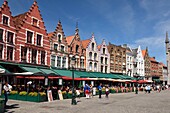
[(116, 103)]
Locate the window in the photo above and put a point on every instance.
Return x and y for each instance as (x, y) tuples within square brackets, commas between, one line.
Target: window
[(95, 66), (104, 50), (90, 66), (53, 61), (43, 57), (39, 38), (5, 20), (34, 56), (105, 60), (1, 35), (9, 53), (55, 47), (105, 69), (58, 61), (101, 60), (95, 56), (35, 22), (64, 62), (77, 48), (1, 51), (92, 46), (29, 37), (62, 48), (102, 69), (90, 55), (10, 37), (59, 37), (82, 63), (23, 54)]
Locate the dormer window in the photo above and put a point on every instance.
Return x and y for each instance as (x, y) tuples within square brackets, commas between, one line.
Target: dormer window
[(59, 38), (39, 39), (10, 37), (5, 20), (29, 37), (35, 22)]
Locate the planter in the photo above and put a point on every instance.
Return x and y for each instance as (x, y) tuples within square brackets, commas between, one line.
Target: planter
[(22, 97), (32, 98), (103, 92), (120, 91), (69, 95), (13, 96), (64, 95), (112, 91)]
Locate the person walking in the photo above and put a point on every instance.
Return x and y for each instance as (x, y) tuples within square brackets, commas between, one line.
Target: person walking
[(100, 90), (7, 88), (107, 91)]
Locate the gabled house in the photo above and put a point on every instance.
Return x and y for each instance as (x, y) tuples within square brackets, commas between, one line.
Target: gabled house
[(7, 34), (76, 49), (32, 42), (104, 58), (59, 48), (92, 54)]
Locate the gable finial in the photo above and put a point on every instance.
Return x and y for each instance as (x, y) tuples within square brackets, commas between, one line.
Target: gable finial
[(77, 29)]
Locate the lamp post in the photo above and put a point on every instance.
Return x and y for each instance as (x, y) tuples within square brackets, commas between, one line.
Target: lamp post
[(73, 101)]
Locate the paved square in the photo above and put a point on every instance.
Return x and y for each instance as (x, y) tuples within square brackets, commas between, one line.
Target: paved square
[(117, 103)]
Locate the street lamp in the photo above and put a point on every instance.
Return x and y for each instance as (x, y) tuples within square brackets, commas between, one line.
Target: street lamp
[(73, 101)]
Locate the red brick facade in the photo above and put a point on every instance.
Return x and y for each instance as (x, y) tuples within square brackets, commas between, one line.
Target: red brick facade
[(30, 41)]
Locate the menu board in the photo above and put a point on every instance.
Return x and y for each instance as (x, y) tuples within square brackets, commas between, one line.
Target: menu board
[(60, 95), (49, 95)]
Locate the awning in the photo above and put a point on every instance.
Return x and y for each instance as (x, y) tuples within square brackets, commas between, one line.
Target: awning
[(3, 70), (32, 69), (47, 71)]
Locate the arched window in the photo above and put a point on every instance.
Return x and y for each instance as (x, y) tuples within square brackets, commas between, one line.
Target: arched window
[(77, 48), (90, 66), (95, 56), (95, 66), (92, 46), (59, 38), (90, 55)]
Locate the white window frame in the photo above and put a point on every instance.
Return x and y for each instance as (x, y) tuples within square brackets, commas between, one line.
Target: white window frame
[(61, 36), (38, 21), (41, 39), (32, 36), (62, 45), (8, 19), (13, 35), (3, 37)]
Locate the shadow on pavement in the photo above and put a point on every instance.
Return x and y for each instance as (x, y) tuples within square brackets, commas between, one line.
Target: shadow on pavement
[(13, 106)]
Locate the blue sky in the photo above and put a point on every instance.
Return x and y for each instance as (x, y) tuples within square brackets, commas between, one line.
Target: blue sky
[(134, 22)]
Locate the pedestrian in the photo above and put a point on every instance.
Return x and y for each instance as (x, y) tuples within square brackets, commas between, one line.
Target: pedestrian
[(107, 91), (7, 88), (146, 89), (87, 90), (100, 90), (91, 90)]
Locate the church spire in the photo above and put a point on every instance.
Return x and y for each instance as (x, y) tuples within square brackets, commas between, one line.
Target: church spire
[(167, 39), (77, 29)]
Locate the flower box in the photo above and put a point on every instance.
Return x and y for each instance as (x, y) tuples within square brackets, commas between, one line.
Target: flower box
[(22, 97), (112, 91)]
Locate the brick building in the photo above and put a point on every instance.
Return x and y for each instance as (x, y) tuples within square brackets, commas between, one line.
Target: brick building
[(59, 48), (147, 63), (75, 48), (8, 35), (154, 68), (117, 59)]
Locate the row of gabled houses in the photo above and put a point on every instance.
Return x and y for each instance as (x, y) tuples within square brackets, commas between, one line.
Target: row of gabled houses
[(24, 39)]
